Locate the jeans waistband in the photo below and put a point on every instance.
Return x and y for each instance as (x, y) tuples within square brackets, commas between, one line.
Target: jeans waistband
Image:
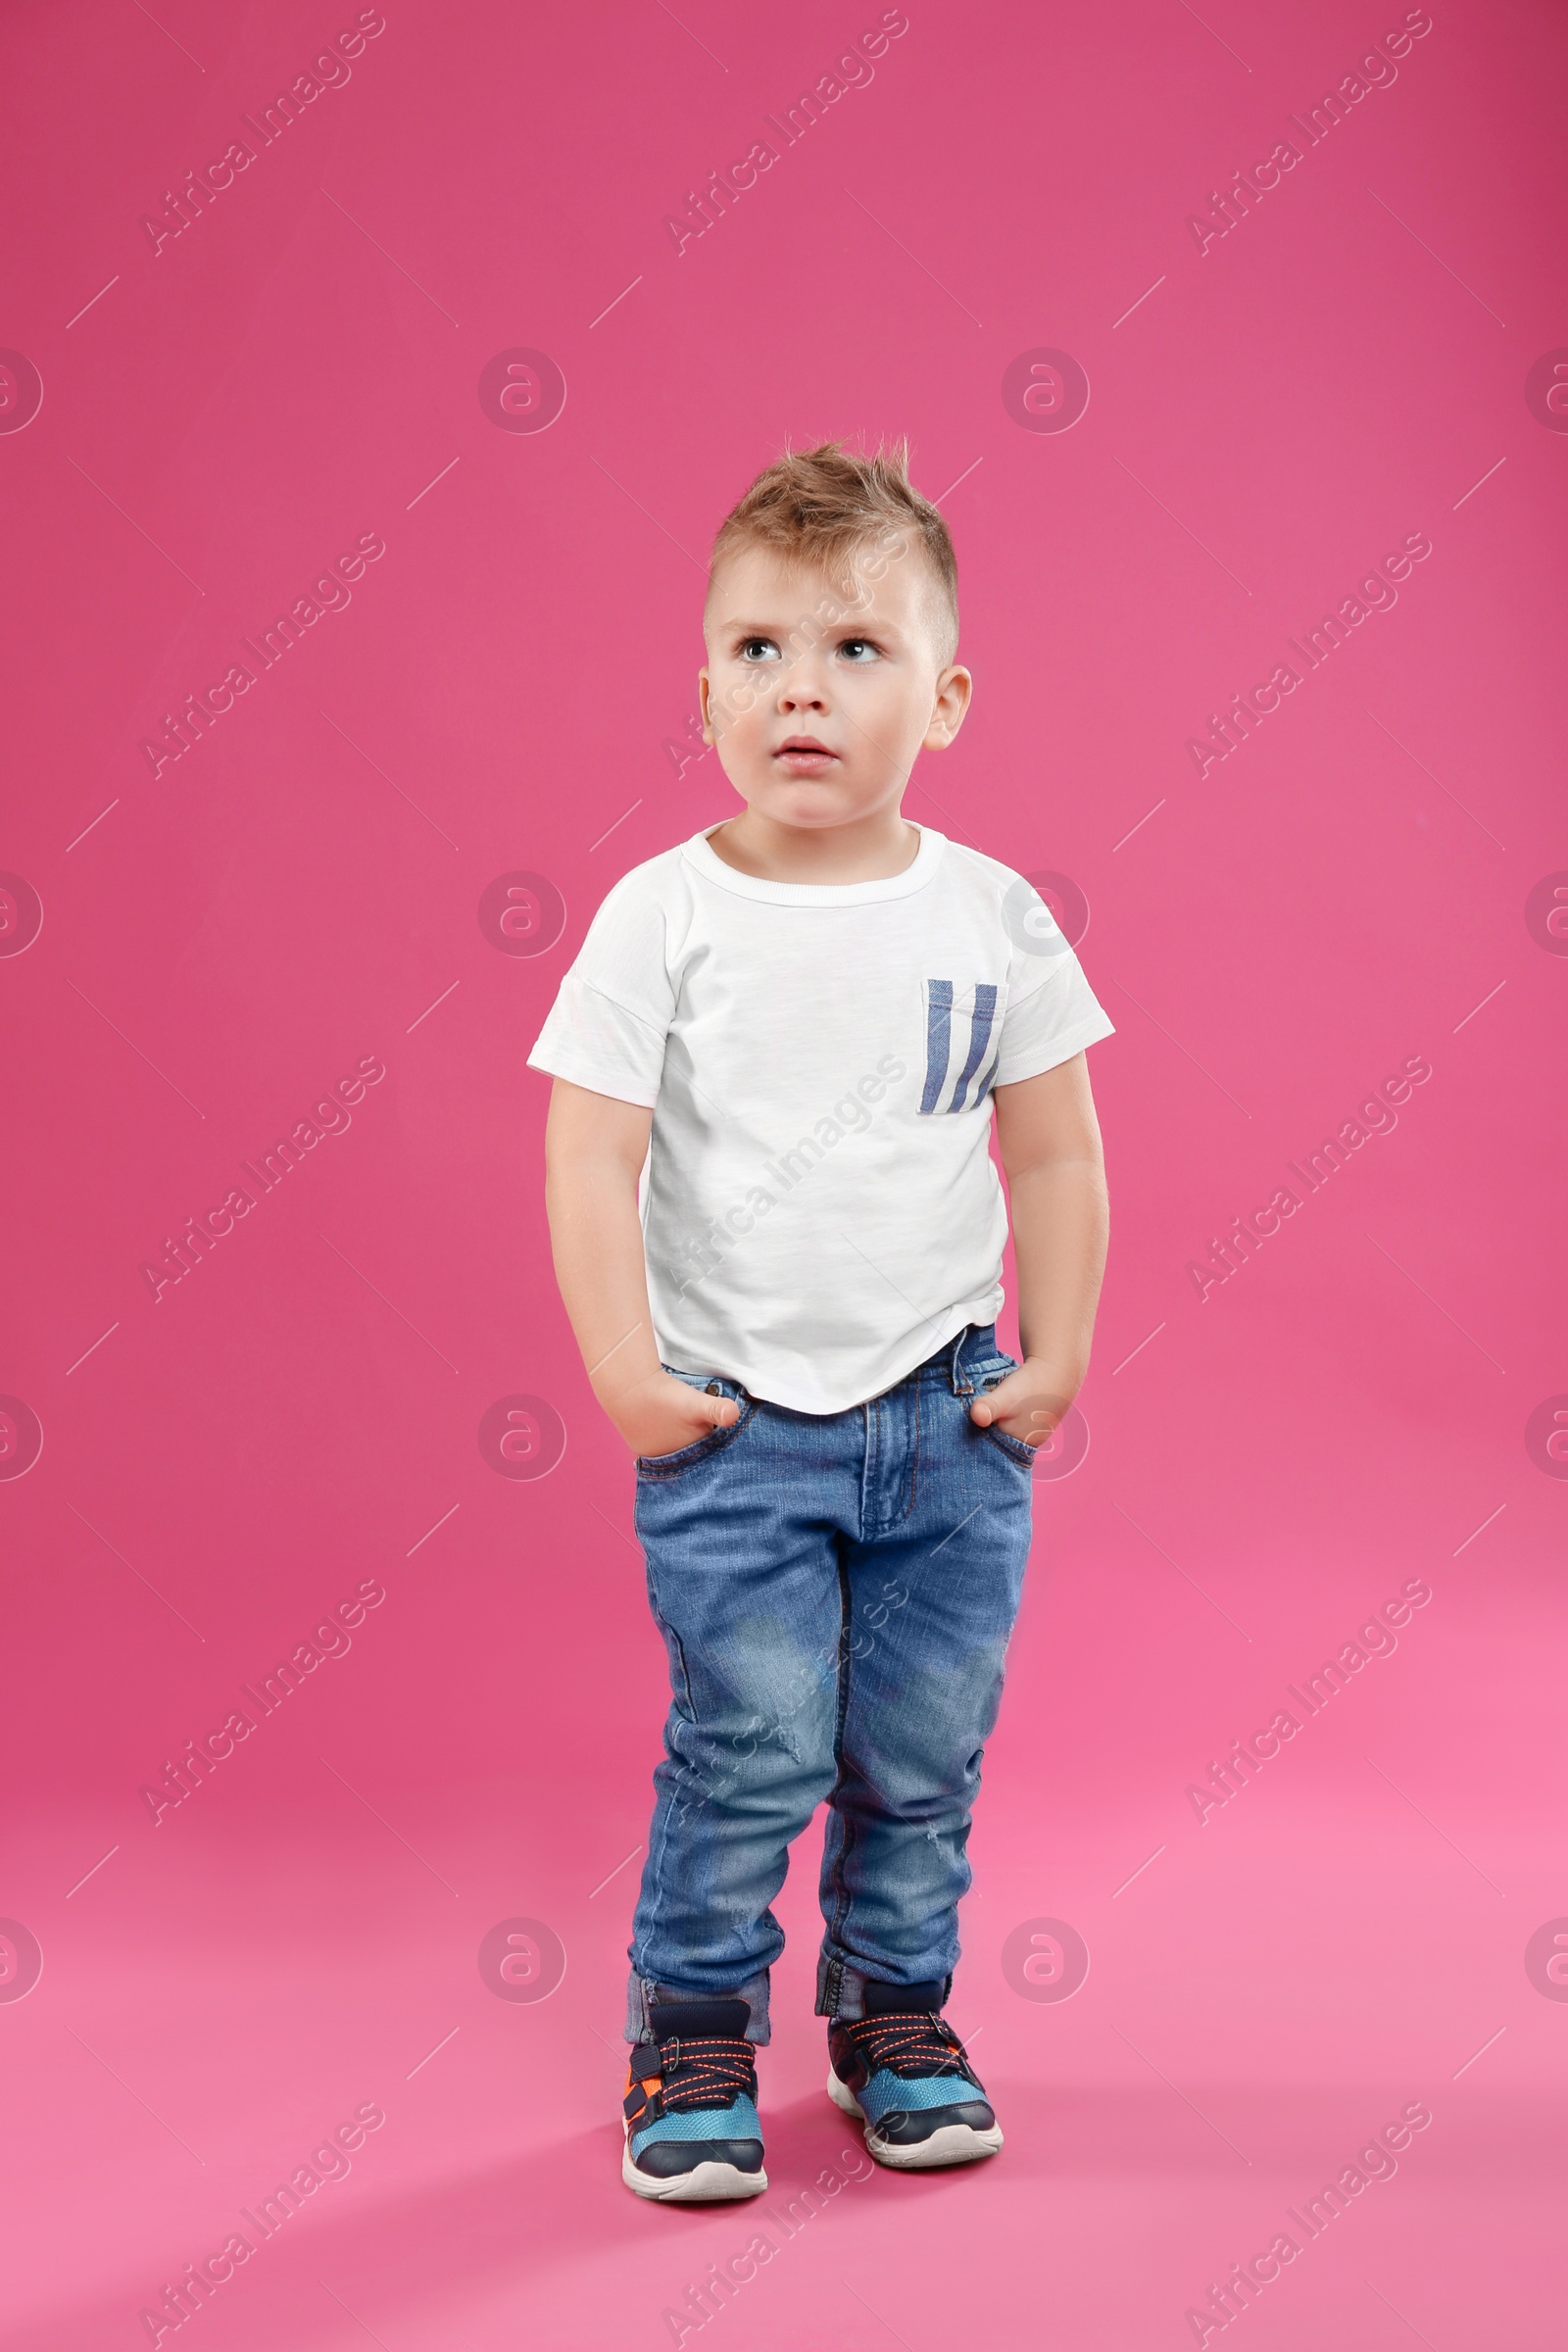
[(977, 1341)]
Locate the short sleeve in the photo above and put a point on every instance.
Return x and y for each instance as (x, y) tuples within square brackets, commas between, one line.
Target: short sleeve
[(607, 1027), (1053, 1013)]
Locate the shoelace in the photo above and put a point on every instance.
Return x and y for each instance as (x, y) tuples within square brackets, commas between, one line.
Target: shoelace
[(910, 2042), (705, 2072)]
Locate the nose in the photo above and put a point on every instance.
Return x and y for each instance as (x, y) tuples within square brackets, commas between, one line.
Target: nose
[(802, 687)]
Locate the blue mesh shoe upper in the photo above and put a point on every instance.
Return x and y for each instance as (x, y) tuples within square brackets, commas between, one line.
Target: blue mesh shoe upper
[(901, 2061), (695, 2081)]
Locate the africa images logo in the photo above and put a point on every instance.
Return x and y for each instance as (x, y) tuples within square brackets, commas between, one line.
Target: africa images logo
[(20, 391), (521, 390)]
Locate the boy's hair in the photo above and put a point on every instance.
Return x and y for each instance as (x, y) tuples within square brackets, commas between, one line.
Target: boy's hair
[(822, 506)]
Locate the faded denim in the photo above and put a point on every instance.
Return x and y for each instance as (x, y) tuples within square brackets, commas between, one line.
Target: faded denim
[(836, 1592)]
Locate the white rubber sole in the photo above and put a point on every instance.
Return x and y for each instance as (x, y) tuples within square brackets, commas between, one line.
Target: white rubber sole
[(704, 2184), (953, 2143)]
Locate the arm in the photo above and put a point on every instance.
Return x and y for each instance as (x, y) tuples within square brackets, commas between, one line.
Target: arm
[(595, 1147), (1049, 1139)]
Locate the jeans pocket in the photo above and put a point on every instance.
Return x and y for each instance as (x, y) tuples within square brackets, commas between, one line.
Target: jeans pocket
[(988, 1373), (1014, 1447), (656, 1466)]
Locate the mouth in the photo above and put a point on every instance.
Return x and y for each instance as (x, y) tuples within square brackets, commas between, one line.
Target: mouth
[(804, 755)]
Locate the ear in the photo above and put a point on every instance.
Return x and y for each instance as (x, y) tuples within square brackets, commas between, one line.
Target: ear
[(708, 734), (951, 700)]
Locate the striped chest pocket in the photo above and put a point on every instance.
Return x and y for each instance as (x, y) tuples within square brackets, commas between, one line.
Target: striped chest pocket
[(963, 1037)]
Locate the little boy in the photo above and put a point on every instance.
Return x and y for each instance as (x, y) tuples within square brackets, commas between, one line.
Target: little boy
[(778, 1235)]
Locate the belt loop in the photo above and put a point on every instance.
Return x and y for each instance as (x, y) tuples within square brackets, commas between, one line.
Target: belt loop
[(961, 1387)]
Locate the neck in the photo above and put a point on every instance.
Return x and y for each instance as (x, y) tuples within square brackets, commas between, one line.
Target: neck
[(868, 848)]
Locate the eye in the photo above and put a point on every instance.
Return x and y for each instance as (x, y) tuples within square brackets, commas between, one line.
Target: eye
[(756, 649), (860, 650)]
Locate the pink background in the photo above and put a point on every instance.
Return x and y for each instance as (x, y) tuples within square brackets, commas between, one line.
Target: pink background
[(1269, 417)]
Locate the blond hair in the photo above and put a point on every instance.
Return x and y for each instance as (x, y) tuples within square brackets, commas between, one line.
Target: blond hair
[(823, 508)]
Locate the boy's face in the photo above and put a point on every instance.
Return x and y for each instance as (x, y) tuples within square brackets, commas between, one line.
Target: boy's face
[(820, 694)]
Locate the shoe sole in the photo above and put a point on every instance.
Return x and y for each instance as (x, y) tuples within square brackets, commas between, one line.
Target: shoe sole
[(951, 2143), (706, 2184)]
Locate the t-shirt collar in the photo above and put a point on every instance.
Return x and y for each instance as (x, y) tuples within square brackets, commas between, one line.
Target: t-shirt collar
[(699, 853)]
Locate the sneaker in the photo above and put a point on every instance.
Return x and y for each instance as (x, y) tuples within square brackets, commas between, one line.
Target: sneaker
[(902, 2071), (692, 2131)]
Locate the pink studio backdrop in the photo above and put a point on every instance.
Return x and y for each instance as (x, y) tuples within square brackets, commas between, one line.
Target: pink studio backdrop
[(379, 855)]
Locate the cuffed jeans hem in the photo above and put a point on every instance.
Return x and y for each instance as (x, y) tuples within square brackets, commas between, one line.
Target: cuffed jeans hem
[(841, 1986), (642, 1993)]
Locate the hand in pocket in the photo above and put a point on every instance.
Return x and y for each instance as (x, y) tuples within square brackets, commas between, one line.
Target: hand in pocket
[(664, 1414), (1023, 1406)]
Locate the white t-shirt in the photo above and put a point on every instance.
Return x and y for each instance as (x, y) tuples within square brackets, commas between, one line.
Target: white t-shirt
[(820, 1211)]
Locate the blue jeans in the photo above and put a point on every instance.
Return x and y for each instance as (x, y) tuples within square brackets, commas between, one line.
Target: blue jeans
[(836, 1594)]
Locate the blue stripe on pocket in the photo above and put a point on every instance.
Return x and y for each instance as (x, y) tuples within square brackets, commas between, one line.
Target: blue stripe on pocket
[(980, 1020), (938, 1025), (988, 1067)]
